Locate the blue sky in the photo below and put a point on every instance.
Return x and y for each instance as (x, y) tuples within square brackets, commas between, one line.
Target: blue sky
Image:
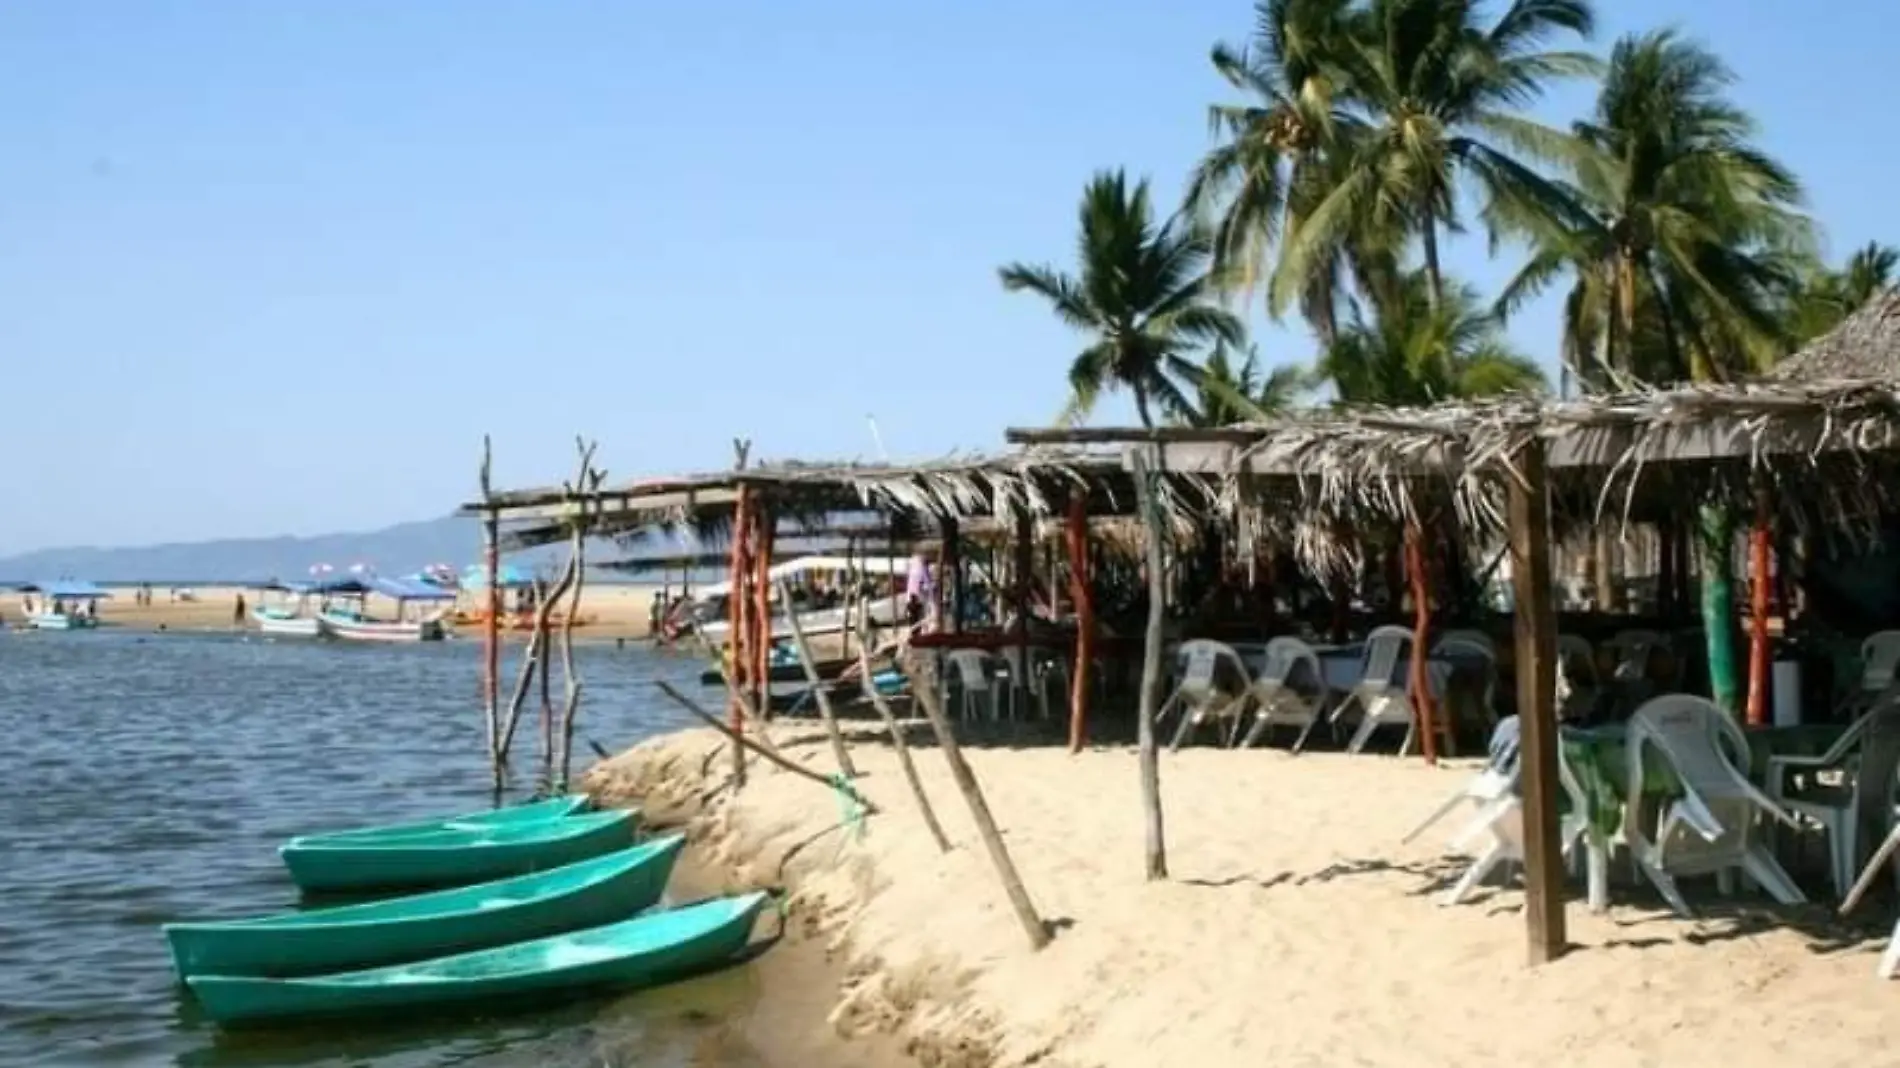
[(274, 266)]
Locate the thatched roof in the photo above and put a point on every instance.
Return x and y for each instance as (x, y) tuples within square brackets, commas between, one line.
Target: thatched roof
[(1865, 346), (1827, 454), (1042, 481)]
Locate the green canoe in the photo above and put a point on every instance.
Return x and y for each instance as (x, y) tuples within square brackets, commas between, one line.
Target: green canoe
[(583, 894), (452, 857), (553, 808), (639, 952)]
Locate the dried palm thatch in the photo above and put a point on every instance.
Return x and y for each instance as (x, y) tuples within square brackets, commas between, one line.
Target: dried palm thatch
[(1827, 454), (698, 508), (1865, 346)]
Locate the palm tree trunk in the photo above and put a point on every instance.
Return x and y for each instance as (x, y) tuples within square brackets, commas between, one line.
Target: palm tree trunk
[(1432, 274)]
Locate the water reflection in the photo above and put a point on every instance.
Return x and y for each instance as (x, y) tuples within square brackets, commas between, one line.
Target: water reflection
[(151, 779)]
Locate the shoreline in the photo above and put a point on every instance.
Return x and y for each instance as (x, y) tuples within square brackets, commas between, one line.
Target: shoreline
[(1295, 929)]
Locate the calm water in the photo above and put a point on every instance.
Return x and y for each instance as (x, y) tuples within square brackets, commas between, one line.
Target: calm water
[(151, 778)]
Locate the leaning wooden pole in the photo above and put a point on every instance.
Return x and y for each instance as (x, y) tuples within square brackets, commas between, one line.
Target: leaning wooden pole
[(589, 484), (1154, 531), (1537, 704), (923, 677), (1759, 544), (1081, 593), (825, 711), (869, 682), (849, 790), (491, 625)]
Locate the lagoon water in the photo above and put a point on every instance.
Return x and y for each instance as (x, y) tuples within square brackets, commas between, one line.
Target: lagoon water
[(148, 778)]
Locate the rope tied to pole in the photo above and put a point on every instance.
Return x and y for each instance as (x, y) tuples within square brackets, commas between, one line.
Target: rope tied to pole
[(850, 805)]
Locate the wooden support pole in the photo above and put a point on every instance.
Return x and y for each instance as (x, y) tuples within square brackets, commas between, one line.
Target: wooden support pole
[(1536, 630), (736, 612), (491, 626), (763, 528), (1025, 567), (1077, 533), (1154, 527), (924, 684), (869, 682), (952, 577), (1420, 685), (775, 758), (585, 488), (810, 665), (1759, 543)]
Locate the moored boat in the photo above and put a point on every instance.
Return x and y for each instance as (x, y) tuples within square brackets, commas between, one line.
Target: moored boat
[(642, 951), (586, 893), (351, 625), (453, 856), (552, 808), (62, 604)]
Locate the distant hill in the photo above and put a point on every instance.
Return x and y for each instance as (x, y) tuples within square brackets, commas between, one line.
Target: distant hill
[(401, 549)]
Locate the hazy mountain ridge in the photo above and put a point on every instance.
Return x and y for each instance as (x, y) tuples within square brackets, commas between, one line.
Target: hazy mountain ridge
[(400, 549)]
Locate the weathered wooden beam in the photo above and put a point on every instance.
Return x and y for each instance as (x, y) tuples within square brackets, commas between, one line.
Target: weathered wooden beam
[(869, 682), (842, 785), (1154, 531), (1536, 633), (923, 684), (806, 661), (1081, 593)]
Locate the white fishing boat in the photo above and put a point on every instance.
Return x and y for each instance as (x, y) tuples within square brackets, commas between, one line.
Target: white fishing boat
[(833, 610), (285, 609), (62, 604), (349, 618)]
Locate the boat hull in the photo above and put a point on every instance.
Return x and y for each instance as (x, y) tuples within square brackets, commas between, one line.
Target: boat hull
[(553, 808), (286, 626), (643, 951), (363, 630), (60, 621), (338, 863), (584, 894)]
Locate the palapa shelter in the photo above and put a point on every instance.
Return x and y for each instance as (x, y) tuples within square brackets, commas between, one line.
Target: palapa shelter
[(929, 500), (1821, 457)]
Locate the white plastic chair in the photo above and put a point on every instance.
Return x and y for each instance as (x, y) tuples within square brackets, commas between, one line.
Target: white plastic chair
[(1470, 646), (977, 678), (1632, 650), (1381, 701), (1869, 754), (1278, 699), (1711, 828), (1501, 817), (1577, 672), (1201, 697), (1470, 637)]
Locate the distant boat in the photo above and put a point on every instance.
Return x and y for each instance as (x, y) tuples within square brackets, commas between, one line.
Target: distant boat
[(709, 603), (643, 951), (350, 620), (583, 894), (63, 604)]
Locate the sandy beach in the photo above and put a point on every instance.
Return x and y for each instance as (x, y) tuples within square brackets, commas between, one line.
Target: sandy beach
[(1295, 930), (607, 611)]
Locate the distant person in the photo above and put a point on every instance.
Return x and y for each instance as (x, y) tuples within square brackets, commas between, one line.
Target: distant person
[(237, 612)]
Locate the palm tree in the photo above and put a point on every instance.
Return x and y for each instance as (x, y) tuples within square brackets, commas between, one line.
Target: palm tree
[(1678, 228), (1228, 394), (1408, 352), (1827, 296), (1432, 98), (1142, 291), (1279, 153)]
